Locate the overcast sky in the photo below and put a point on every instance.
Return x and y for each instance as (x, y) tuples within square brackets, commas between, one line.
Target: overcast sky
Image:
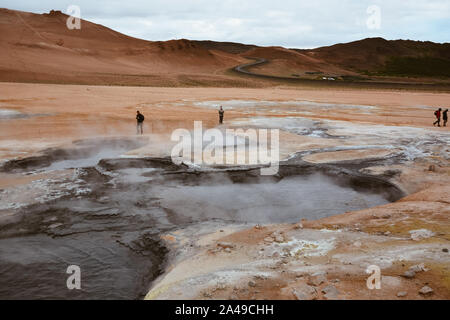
[(288, 23)]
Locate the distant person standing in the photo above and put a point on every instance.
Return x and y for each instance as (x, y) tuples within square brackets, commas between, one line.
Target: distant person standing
[(221, 114), (140, 122), (445, 117), (437, 114)]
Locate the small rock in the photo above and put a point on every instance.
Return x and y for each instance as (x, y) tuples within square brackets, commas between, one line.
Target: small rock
[(252, 283), (432, 168), (330, 292), (420, 234), (269, 240), (317, 280), (336, 280), (387, 233), (258, 227), (55, 225), (402, 294), (227, 250), (387, 216), (445, 250), (220, 286), (298, 226), (425, 291), (278, 237), (409, 274), (226, 245), (418, 268), (305, 292)]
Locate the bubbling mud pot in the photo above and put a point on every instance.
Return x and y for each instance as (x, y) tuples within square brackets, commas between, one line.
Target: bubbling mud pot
[(112, 229)]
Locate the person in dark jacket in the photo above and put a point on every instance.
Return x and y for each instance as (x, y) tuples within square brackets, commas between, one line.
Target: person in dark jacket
[(445, 117), (221, 114), (437, 114), (140, 122)]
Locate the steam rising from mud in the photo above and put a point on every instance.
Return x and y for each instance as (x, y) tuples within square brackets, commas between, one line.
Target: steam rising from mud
[(112, 230), (289, 200)]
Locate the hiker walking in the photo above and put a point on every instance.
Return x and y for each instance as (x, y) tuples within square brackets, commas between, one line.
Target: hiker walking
[(140, 122), (221, 113), (437, 114), (445, 117)]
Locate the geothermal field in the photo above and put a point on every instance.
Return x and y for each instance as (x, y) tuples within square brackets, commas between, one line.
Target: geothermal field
[(360, 177), (359, 184)]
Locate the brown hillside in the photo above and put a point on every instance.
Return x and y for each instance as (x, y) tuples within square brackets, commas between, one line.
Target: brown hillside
[(39, 47), (372, 54)]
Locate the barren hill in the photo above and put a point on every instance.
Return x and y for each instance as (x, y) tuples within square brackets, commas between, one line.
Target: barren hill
[(383, 57), (40, 48)]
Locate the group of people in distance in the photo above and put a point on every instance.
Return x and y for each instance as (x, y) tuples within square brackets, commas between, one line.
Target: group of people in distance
[(438, 114), (140, 120)]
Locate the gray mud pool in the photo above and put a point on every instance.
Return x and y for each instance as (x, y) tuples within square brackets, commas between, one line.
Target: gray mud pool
[(112, 231)]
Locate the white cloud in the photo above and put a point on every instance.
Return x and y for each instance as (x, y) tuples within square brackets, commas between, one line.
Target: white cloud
[(290, 23)]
